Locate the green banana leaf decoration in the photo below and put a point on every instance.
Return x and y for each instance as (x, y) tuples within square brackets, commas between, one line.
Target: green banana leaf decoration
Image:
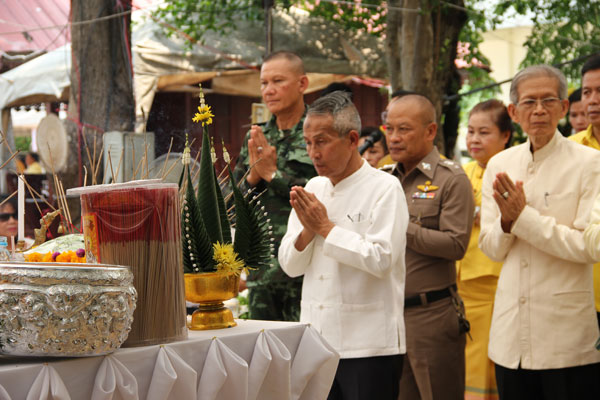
[(197, 248), (253, 234), (205, 221), (225, 226), (207, 193)]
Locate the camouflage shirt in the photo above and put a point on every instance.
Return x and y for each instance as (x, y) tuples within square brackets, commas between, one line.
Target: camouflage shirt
[(294, 168)]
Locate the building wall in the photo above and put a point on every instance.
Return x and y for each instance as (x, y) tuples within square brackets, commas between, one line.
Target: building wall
[(505, 48)]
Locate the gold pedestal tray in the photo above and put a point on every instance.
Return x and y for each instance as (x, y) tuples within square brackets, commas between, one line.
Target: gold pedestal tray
[(210, 290)]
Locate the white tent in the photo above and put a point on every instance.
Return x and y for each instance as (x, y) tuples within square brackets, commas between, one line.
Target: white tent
[(45, 78)]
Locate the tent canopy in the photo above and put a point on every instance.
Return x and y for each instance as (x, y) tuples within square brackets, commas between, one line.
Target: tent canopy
[(231, 61)]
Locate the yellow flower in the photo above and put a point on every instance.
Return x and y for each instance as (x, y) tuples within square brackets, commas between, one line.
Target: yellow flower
[(47, 257), (203, 115), (66, 256), (33, 257), (227, 260)]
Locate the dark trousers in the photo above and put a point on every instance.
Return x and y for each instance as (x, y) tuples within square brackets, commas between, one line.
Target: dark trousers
[(572, 383), (434, 366), (367, 378)]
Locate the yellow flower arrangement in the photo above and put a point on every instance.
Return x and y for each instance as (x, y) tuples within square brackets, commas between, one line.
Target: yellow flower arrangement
[(64, 257), (34, 257), (64, 249), (204, 114), (226, 258)]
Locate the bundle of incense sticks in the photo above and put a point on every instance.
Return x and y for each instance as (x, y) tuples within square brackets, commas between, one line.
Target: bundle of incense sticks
[(137, 224)]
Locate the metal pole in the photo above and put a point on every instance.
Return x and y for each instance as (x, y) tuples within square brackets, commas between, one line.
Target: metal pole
[(268, 5)]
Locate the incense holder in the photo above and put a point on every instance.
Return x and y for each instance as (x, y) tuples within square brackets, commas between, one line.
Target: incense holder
[(64, 310), (210, 290)]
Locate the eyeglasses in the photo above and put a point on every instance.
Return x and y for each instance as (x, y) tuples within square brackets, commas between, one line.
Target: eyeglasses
[(6, 216), (547, 103)]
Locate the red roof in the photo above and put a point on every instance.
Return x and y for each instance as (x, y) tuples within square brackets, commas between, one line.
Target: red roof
[(32, 25), (21, 20)]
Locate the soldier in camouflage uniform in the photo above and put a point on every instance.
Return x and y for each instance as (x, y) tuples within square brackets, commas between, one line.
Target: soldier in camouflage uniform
[(277, 153)]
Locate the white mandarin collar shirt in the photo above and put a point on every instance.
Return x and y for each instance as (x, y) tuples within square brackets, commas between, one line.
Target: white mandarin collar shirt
[(353, 291), (544, 314)]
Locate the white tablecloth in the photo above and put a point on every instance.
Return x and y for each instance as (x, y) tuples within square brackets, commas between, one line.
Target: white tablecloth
[(255, 360)]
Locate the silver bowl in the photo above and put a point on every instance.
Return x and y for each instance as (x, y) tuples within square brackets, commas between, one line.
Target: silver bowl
[(64, 309)]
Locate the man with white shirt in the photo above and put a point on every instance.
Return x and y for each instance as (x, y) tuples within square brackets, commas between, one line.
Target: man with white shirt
[(347, 236), (536, 203)]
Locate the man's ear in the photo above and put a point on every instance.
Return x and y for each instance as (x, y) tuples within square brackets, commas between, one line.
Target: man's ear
[(303, 83), (564, 103), (512, 112), (353, 135), (431, 131)]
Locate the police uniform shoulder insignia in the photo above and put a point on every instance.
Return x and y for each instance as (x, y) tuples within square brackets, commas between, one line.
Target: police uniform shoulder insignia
[(450, 164), (387, 167)]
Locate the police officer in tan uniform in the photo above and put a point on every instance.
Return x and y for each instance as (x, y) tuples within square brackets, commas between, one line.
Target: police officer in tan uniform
[(441, 206)]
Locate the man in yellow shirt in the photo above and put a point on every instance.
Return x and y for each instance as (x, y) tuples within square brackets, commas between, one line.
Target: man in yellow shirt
[(590, 97)]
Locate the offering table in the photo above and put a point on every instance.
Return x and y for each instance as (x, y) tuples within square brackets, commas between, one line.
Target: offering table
[(255, 360)]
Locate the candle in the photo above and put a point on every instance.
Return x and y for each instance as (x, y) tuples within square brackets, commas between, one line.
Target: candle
[(21, 209)]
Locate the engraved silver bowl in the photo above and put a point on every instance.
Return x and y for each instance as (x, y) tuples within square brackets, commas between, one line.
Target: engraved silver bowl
[(64, 309)]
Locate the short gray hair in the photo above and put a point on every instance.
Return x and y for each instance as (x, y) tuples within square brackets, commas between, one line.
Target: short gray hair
[(339, 105), (536, 71)]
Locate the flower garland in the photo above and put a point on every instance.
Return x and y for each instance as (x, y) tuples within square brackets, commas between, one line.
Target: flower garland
[(69, 256)]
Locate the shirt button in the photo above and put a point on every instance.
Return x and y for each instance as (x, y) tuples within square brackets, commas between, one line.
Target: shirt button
[(321, 277), (522, 300), (320, 306), (524, 264)]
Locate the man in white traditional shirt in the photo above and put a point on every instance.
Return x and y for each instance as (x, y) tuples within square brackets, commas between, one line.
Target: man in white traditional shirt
[(536, 203), (347, 236)]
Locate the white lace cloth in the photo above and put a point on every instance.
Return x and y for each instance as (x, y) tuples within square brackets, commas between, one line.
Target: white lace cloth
[(256, 360)]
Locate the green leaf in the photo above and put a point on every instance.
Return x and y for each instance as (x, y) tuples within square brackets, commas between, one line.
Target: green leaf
[(207, 193), (252, 231), (225, 227), (197, 246)]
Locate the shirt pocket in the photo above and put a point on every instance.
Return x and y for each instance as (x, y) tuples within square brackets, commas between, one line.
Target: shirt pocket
[(561, 206), (355, 222), (573, 322), (364, 326), (326, 319), (425, 212)]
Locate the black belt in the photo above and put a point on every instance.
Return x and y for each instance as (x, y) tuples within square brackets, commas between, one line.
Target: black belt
[(430, 297)]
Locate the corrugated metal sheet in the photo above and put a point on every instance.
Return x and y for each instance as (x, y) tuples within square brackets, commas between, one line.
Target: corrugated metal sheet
[(21, 20)]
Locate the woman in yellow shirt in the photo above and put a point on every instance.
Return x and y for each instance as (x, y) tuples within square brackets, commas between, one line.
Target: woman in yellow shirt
[(489, 132)]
